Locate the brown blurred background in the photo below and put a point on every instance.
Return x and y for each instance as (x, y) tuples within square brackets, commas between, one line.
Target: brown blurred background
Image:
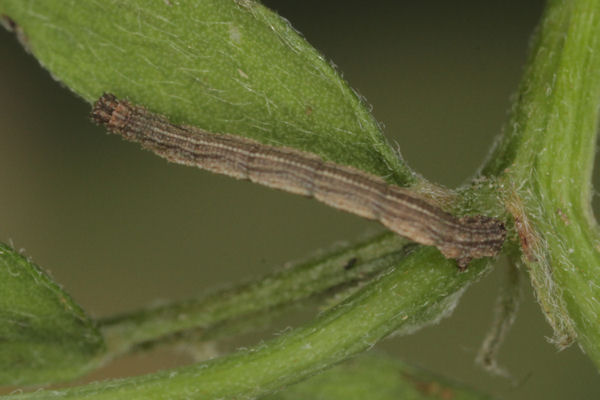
[(120, 228)]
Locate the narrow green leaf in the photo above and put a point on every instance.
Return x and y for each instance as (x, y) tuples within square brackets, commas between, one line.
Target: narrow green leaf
[(44, 335), (333, 270), (228, 66)]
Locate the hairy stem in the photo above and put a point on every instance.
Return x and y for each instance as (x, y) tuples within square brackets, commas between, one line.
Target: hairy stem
[(545, 160)]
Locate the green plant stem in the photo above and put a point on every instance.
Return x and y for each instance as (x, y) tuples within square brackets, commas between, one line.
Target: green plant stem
[(334, 270), (545, 160), (421, 289), (376, 378)]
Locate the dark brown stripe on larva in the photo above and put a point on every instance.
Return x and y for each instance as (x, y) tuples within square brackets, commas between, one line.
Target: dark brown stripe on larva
[(284, 168)]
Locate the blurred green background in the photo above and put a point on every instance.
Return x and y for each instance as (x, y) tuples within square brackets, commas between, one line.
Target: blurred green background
[(120, 228)]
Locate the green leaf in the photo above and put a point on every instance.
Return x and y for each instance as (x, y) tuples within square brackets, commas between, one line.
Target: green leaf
[(44, 335), (546, 160), (241, 305), (221, 65)]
